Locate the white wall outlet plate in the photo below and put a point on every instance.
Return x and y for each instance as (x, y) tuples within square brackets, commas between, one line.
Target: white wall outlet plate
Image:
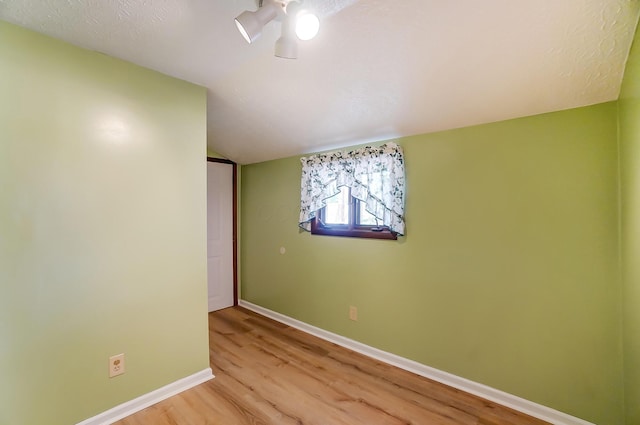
[(116, 365), (353, 313)]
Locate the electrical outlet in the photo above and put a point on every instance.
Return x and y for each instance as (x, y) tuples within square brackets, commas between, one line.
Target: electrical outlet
[(353, 313), (116, 365)]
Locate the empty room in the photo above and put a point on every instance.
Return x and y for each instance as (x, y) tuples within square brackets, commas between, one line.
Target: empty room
[(319, 212)]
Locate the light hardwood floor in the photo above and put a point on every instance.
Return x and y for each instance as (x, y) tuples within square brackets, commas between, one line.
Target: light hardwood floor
[(269, 373)]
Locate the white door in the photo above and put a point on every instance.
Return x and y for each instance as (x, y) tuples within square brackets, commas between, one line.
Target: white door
[(220, 234)]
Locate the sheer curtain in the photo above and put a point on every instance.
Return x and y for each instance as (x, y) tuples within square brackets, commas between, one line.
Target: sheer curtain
[(374, 174)]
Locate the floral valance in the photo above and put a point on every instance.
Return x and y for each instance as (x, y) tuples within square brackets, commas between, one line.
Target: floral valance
[(374, 174)]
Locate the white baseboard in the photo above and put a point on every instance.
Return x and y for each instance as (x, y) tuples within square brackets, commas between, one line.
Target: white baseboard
[(514, 402), (146, 400)]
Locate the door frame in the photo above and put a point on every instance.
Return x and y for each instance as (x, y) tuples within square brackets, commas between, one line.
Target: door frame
[(235, 222)]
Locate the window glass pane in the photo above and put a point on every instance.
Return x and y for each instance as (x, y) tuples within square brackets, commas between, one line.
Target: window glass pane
[(337, 209), (366, 219)]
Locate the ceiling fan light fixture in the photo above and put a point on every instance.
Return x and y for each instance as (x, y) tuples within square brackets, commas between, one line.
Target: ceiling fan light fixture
[(295, 22), (250, 24)]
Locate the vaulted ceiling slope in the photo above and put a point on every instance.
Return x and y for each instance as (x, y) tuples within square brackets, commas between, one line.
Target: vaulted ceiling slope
[(378, 69)]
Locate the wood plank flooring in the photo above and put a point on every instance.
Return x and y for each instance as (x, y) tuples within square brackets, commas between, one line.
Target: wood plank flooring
[(269, 373)]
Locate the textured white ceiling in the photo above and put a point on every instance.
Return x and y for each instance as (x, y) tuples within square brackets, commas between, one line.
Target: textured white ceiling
[(378, 69)]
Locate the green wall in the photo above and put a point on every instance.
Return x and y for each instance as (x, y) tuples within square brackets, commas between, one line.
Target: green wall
[(102, 230), (213, 154), (629, 113), (509, 272)]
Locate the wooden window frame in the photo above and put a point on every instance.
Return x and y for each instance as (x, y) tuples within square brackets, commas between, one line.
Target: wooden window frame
[(352, 229)]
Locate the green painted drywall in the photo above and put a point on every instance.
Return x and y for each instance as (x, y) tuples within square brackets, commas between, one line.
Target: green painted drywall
[(214, 154), (629, 130), (102, 230), (508, 275)]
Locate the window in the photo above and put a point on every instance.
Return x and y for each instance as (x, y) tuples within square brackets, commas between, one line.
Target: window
[(358, 193), (345, 215)]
